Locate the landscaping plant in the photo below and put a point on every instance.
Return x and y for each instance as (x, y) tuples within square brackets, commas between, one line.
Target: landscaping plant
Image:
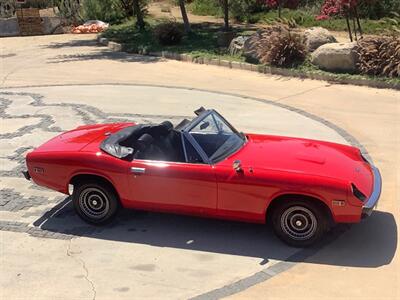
[(280, 46), (346, 8), (69, 10), (108, 11), (168, 33), (379, 56)]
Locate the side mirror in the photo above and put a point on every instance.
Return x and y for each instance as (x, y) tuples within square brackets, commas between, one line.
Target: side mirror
[(237, 166)]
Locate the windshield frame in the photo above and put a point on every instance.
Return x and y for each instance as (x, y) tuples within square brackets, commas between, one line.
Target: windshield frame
[(197, 120)]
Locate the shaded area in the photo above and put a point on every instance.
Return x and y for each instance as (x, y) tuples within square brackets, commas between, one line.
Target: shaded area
[(7, 55), (370, 244), (203, 39), (95, 53), (71, 43), (104, 55)]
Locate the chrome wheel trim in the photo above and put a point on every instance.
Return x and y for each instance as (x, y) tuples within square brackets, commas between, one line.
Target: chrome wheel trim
[(94, 203), (299, 223)]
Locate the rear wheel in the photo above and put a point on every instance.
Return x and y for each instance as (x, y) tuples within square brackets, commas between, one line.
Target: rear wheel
[(299, 223), (95, 202)]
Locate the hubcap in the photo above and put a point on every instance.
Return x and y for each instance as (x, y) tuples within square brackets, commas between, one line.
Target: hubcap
[(94, 203), (299, 223)]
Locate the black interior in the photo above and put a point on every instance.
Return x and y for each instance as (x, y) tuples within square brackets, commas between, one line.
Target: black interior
[(154, 142), (210, 142)]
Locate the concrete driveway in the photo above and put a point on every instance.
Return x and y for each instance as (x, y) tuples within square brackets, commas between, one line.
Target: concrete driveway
[(51, 84)]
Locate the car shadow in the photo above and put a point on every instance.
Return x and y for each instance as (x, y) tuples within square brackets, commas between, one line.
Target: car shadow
[(370, 244)]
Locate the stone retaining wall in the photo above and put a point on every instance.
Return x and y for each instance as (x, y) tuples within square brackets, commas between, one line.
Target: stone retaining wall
[(9, 27), (50, 25)]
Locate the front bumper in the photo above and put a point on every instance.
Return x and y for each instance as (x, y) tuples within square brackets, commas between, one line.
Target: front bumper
[(372, 201)]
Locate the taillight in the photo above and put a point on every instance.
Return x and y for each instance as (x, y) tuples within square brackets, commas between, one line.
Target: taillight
[(357, 193), (364, 158)]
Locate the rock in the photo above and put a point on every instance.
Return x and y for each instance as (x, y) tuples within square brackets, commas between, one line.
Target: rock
[(7, 8), (250, 46), (9, 27), (115, 46), (335, 57), (316, 37), (236, 45), (52, 25), (224, 38)]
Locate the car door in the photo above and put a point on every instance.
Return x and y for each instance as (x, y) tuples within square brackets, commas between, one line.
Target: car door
[(172, 186)]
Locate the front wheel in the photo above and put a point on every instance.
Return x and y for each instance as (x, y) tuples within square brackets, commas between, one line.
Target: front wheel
[(95, 203), (299, 223)]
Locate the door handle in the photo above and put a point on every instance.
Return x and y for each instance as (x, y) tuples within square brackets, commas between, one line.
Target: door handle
[(138, 171)]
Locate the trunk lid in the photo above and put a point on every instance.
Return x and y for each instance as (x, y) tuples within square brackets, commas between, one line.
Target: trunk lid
[(77, 139)]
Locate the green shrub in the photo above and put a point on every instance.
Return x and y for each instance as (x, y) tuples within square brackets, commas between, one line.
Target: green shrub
[(280, 46), (379, 56), (168, 33), (245, 10), (377, 9), (206, 8), (41, 4), (104, 10)]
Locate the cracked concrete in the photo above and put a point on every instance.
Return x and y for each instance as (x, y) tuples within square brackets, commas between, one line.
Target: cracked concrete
[(82, 262)]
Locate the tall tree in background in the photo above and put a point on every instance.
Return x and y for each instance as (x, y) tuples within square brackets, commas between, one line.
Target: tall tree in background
[(185, 18), (225, 4), (137, 10), (127, 6)]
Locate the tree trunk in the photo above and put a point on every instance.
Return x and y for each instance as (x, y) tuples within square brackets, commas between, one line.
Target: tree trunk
[(279, 9), (226, 15), (358, 21), (138, 13), (349, 28), (185, 18)]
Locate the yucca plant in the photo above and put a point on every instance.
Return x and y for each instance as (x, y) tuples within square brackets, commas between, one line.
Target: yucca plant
[(280, 46), (379, 56)]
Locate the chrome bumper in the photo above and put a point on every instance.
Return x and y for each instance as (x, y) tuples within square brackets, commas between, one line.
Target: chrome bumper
[(372, 201)]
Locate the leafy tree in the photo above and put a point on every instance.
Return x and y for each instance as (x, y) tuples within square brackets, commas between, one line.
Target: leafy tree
[(138, 11), (185, 18), (281, 4), (346, 8)]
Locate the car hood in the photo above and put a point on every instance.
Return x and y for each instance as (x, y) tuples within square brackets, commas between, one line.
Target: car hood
[(77, 139), (317, 158)]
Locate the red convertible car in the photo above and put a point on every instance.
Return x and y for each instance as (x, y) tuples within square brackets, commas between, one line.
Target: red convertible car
[(206, 167)]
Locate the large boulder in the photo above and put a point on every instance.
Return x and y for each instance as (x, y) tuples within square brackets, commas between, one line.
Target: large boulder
[(336, 57), (52, 25), (250, 46), (236, 45), (316, 37), (9, 27)]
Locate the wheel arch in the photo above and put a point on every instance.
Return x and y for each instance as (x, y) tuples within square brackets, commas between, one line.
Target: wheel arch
[(276, 201), (87, 177)]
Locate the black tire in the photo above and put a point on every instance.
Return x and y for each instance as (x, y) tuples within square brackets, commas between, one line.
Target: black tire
[(95, 202), (299, 223)]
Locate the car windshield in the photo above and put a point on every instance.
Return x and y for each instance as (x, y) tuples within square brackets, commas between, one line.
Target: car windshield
[(217, 138)]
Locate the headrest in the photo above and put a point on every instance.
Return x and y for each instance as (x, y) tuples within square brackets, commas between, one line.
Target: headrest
[(162, 129), (167, 125), (144, 141)]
